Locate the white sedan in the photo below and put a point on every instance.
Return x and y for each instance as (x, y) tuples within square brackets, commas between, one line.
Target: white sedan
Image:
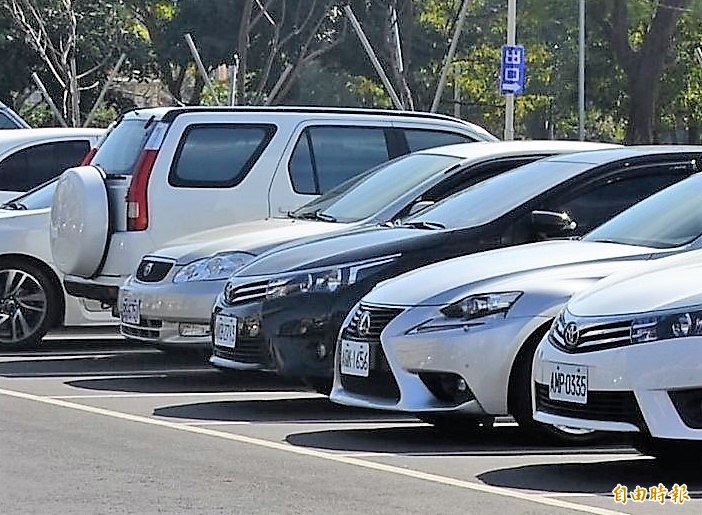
[(626, 356), (32, 299)]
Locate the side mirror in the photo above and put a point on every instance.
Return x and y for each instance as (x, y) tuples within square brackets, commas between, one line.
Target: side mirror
[(420, 206), (552, 224)]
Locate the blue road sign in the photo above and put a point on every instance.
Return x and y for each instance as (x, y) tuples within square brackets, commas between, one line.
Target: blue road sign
[(512, 70)]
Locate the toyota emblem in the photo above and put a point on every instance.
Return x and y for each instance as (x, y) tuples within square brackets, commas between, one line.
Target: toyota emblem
[(364, 324), (571, 335), (148, 268)]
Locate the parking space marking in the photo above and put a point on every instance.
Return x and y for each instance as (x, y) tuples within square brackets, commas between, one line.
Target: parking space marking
[(106, 374), (257, 393), (347, 460)]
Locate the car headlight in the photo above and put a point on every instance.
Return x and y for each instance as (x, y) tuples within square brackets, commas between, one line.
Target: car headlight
[(667, 325), (214, 268), (471, 310), (325, 280)]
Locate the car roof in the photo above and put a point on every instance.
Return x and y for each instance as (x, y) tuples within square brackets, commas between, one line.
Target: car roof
[(625, 152), (478, 150), (167, 114), (18, 136)]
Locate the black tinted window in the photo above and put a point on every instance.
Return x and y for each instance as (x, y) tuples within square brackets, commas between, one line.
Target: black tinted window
[(35, 165), (300, 167), (420, 139), (214, 156), (595, 205), (340, 153), (6, 123)]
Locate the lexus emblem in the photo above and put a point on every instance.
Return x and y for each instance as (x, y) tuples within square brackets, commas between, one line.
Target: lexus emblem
[(364, 324), (570, 335), (148, 268)]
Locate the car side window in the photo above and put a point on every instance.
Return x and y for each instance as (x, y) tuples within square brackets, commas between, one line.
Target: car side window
[(6, 122), (32, 166), (335, 155), (218, 156), (593, 205), (421, 139)]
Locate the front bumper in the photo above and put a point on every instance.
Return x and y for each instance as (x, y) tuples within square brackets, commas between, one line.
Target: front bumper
[(463, 370), (170, 313), (630, 389)]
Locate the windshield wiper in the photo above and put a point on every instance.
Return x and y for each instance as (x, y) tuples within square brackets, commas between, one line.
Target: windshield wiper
[(17, 206), (421, 224), (316, 215)]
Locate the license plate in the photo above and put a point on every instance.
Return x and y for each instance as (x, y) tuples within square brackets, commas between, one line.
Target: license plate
[(225, 331), (130, 313), (567, 383), (354, 358)]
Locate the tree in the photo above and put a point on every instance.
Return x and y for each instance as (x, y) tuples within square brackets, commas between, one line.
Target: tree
[(644, 53)]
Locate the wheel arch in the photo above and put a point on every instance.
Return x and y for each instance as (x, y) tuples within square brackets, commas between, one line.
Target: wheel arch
[(50, 273)]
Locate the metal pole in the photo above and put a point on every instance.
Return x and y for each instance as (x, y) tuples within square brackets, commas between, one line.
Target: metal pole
[(456, 94), (234, 74), (511, 40), (371, 55), (105, 89), (450, 54), (201, 67), (47, 99), (581, 72)]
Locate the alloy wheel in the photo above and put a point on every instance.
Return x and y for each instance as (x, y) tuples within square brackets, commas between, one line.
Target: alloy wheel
[(23, 305)]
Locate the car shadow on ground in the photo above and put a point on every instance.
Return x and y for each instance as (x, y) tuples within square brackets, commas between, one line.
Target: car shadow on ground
[(426, 440), (306, 409), (593, 478)]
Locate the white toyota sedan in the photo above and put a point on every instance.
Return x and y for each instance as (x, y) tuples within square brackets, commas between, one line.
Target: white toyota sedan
[(626, 356)]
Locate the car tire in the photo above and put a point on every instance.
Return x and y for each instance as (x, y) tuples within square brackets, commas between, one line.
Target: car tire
[(320, 385), (520, 401), (456, 424), (31, 304)]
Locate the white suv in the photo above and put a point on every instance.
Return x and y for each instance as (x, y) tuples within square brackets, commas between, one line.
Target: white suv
[(165, 173)]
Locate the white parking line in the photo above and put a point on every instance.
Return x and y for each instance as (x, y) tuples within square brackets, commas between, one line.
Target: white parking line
[(346, 460), (108, 374), (257, 393)]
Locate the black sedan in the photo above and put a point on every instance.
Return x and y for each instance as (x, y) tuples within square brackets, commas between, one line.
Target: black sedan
[(288, 305)]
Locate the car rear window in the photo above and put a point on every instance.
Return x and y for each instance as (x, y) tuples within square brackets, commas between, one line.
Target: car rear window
[(119, 153)]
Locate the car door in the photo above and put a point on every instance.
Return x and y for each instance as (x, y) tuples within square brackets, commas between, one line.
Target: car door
[(598, 196)]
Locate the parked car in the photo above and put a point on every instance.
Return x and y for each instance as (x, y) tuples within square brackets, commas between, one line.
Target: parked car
[(172, 304), (30, 157), (307, 289), (624, 355), (11, 120), (165, 173), (457, 338), (32, 300)]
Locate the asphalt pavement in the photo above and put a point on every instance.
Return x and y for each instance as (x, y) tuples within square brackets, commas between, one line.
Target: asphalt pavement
[(93, 425)]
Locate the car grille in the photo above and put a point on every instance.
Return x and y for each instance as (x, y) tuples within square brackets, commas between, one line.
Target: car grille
[(379, 319), (147, 328), (157, 270), (251, 292), (592, 337), (601, 405), (247, 350), (380, 382)]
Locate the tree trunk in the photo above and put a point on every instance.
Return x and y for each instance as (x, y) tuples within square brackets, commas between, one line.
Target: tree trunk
[(643, 92)]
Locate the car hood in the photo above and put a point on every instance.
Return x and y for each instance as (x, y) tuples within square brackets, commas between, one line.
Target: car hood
[(668, 283), (252, 237), (331, 250), (436, 284), (16, 214)]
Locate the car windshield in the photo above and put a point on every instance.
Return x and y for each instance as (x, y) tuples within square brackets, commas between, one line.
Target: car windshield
[(494, 197), (119, 152), (670, 218), (38, 198), (365, 195)]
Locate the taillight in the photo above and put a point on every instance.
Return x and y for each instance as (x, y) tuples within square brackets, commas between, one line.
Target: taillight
[(89, 156), (137, 204), (137, 195)]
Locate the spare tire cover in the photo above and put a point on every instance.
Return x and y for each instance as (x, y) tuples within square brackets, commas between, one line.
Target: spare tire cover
[(79, 221)]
